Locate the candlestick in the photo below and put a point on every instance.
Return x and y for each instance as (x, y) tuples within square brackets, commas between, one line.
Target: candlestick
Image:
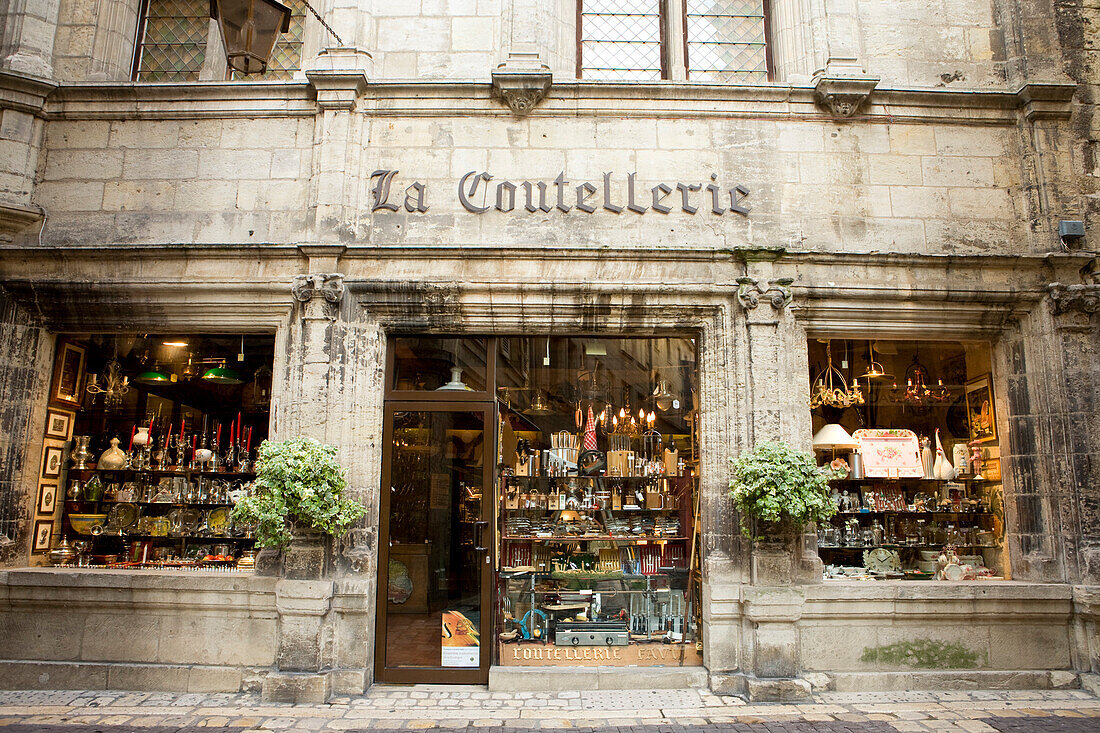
[(132, 431)]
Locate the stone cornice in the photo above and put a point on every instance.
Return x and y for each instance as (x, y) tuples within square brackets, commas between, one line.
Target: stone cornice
[(24, 93), (566, 98)]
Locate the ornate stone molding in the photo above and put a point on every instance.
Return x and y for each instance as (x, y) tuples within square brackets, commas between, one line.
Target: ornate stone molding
[(778, 292), (327, 288), (843, 95), (1081, 298), (522, 81)]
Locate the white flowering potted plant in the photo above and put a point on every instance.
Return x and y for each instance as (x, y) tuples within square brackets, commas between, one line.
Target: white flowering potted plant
[(778, 490), (298, 491)]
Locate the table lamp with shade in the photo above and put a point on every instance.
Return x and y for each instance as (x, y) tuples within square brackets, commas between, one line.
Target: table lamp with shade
[(834, 437)]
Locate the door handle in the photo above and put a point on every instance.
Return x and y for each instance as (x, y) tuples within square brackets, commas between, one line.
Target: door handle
[(479, 529)]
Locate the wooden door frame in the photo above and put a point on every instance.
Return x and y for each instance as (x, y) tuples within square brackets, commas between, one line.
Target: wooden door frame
[(437, 675)]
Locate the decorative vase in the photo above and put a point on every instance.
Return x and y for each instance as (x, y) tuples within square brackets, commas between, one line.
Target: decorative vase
[(81, 455), (927, 458), (113, 458), (141, 437), (942, 468)]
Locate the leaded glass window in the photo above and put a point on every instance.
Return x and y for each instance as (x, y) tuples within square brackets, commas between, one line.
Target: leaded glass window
[(620, 40), (173, 40), (726, 40), (174, 35)]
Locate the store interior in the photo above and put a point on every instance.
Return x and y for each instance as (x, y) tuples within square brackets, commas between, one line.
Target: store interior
[(913, 426), (150, 440)]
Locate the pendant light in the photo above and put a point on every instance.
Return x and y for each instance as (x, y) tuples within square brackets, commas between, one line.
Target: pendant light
[(222, 375), (874, 369)]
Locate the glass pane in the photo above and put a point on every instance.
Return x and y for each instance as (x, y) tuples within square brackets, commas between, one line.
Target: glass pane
[(433, 612), (174, 44), (726, 41), (432, 363), (598, 478), (621, 40)]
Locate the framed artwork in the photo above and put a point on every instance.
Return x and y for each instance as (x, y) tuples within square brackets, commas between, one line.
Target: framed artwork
[(59, 424), (51, 460), (43, 531), (980, 412), (68, 375), (47, 497)]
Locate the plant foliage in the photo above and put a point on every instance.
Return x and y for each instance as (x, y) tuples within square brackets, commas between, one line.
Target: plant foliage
[(298, 481), (773, 482)]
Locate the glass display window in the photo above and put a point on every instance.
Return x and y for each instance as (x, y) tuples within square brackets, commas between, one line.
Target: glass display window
[(150, 440), (597, 513), (913, 426)]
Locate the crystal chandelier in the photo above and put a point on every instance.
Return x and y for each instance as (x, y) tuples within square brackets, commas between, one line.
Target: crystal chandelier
[(114, 386), (830, 388), (917, 391)]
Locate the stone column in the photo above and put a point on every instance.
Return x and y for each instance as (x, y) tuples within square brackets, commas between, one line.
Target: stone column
[(29, 29), (336, 179), (1075, 443), (775, 353), (332, 391), (524, 78), (25, 364)]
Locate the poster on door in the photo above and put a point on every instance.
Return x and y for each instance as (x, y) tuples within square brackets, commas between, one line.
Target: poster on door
[(461, 645)]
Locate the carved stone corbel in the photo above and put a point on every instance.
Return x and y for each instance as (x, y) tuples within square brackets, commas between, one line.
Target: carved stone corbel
[(843, 95), (778, 292), (1080, 298), (328, 289), (522, 81)]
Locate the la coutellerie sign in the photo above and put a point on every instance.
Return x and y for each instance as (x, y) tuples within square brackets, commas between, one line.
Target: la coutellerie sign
[(478, 193)]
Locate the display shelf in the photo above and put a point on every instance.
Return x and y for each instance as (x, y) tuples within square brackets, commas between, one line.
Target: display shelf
[(934, 546)]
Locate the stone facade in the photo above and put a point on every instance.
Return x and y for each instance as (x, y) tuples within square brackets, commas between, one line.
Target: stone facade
[(903, 176)]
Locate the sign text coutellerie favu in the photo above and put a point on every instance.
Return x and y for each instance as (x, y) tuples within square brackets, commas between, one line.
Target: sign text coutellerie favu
[(478, 193)]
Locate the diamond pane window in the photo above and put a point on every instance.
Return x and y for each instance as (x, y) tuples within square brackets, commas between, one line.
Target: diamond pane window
[(726, 40), (173, 45), (286, 57), (620, 40)]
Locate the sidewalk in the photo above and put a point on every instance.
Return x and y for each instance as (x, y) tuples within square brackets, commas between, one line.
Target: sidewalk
[(448, 707)]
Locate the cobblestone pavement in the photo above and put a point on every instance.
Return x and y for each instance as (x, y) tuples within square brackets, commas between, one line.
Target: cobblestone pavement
[(474, 708)]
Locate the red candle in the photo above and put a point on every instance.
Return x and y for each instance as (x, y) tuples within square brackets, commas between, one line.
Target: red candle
[(218, 439), (249, 443), (183, 422), (132, 431), (232, 431), (151, 418), (238, 428), (194, 441)]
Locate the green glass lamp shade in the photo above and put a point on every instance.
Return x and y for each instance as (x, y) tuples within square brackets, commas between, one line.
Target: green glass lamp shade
[(151, 377), (222, 375)]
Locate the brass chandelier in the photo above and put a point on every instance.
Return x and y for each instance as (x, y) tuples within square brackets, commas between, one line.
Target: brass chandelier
[(831, 389)]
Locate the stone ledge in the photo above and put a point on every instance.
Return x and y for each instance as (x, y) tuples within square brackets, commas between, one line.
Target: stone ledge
[(40, 675), (948, 680)]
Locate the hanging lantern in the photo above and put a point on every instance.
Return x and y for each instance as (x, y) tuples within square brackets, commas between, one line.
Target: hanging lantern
[(250, 29)]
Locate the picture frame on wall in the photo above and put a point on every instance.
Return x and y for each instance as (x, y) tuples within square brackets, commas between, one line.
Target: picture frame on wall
[(981, 409), (59, 424), (68, 375), (43, 532), (52, 456), (47, 497)]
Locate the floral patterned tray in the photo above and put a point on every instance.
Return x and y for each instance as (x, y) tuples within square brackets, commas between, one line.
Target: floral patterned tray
[(892, 453)]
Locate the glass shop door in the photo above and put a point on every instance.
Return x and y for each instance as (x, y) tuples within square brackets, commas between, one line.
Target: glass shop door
[(435, 534)]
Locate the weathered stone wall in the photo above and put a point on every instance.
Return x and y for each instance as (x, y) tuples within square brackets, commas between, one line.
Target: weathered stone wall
[(813, 185), (241, 181), (25, 350), (916, 43), (126, 630)]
